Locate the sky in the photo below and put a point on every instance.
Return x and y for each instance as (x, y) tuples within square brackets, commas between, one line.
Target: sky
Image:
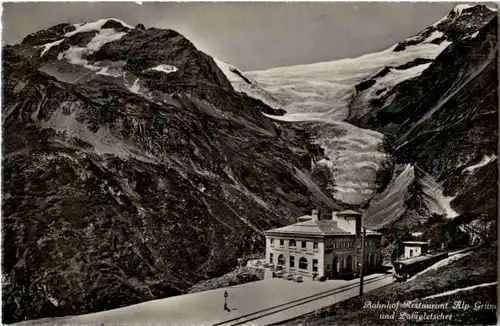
[(251, 36)]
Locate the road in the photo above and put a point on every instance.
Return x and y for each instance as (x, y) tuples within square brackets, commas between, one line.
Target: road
[(263, 302)]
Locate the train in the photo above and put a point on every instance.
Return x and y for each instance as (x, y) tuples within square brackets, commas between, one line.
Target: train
[(406, 268)]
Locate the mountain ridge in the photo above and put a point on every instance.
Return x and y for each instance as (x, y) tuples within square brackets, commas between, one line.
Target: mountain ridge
[(123, 184), (136, 166), (421, 57)]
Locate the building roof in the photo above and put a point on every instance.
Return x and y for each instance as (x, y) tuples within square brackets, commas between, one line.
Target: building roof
[(320, 227), (349, 212), (412, 260), (415, 243)]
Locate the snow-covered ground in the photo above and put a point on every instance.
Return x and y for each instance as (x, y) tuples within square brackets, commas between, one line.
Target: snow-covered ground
[(74, 54), (242, 82), (353, 154), (436, 201), (485, 161), (167, 69), (321, 93), (391, 203), (327, 87), (46, 47), (94, 26)]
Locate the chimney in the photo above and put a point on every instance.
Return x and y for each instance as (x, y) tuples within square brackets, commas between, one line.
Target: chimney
[(349, 220), (334, 216), (315, 215)]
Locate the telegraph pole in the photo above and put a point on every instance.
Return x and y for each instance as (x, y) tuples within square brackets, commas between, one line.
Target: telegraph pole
[(362, 262)]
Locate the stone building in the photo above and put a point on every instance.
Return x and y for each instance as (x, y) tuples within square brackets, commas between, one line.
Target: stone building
[(415, 248), (326, 247)]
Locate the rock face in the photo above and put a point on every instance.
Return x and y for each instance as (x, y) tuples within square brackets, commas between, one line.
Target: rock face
[(134, 166), (419, 121), (445, 121), (461, 25), (133, 170)]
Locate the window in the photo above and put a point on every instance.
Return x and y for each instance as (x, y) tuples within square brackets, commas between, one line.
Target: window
[(282, 242), (304, 244), (315, 265), (303, 263), (292, 243), (272, 242), (334, 245), (327, 267), (270, 258), (315, 246), (281, 260), (292, 261), (340, 245)]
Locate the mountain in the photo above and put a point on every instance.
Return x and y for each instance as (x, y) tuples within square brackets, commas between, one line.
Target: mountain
[(445, 120), (136, 166), (132, 169), (410, 131)]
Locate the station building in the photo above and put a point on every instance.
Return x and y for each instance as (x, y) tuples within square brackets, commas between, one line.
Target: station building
[(316, 246)]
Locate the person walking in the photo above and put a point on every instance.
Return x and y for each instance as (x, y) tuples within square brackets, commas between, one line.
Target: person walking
[(225, 302)]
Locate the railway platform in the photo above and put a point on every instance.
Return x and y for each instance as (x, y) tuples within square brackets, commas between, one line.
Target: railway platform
[(263, 302)]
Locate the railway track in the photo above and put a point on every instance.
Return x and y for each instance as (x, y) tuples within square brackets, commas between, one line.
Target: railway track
[(247, 318), (469, 229), (295, 303)]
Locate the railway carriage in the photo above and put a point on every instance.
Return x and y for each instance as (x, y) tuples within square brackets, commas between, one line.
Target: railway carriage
[(406, 268)]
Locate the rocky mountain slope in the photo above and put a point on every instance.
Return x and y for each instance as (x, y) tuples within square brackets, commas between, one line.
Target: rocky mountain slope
[(445, 121), (419, 120), (135, 166), (132, 169)]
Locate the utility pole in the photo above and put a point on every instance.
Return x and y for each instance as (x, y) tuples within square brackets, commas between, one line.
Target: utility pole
[(362, 271)]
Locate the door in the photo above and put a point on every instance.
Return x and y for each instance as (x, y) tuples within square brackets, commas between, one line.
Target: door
[(329, 272), (336, 266), (349, 263), (281, 260)]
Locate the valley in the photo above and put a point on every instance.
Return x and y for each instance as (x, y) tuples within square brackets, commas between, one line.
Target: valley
[(137, 167)]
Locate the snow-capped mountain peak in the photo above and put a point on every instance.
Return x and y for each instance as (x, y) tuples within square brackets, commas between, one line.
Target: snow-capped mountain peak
[(100, 24), (326, 94), (459, 9)]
